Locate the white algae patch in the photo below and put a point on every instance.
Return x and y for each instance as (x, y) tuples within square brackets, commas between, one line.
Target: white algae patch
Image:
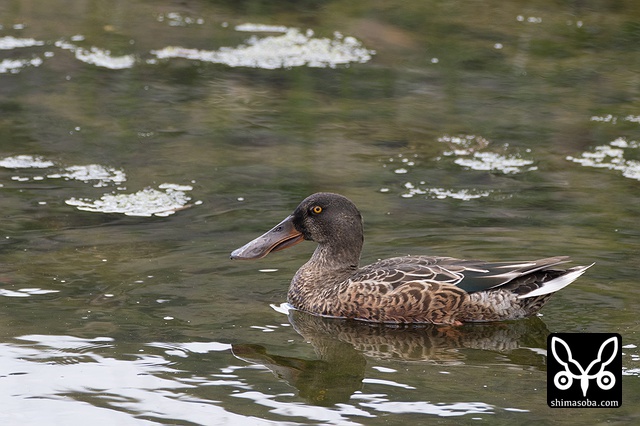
[(257, 28), (147, 202), (612, 157), (462, 194), (98, 57), (412, 190), (9, 42), (291, 49), (25, 162), (463, 144), (471, 153), (92, 172), (490, 161), (164, 201), (175, 187), (175, 19), (612, 119), (288, 48), (15, 65), (103, 58)]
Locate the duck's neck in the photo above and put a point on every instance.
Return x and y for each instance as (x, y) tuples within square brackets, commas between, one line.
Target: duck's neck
[(336, 259), (316, 285)]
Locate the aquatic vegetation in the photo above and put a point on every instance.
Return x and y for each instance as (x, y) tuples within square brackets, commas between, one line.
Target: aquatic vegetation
[(256, 28), (164, 201), (612, 156), (25, 162), (411, 190), (463, 144), (609, 118), (96, 56), (92, 172), (291, 49), (175, 19), (10, 42), (147, 202), (471, 154), (462, 194), (493, 162), (15, 65)]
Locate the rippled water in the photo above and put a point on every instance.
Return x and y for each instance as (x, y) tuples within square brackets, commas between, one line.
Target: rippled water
[(141, 142)]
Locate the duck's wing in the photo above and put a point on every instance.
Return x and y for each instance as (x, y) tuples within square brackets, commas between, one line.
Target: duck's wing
[(396, 271), (469, 275), (509, 275)]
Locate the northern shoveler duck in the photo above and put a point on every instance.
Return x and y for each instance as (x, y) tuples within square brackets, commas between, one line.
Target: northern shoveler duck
[(400, 290)]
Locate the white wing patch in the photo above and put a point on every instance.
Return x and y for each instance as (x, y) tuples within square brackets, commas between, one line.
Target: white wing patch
[(557, 283)]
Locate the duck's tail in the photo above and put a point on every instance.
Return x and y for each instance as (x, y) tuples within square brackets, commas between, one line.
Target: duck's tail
[(558, 283)]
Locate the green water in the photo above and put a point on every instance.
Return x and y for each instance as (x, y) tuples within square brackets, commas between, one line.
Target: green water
[(475, 130)]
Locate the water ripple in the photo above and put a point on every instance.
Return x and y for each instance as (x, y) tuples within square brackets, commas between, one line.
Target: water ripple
[(423, 407), (39, 385)]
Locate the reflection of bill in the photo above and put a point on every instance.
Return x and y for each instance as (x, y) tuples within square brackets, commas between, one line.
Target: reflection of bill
[(563, 380)]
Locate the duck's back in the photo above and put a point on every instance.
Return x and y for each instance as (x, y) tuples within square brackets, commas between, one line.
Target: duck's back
[(424, 289)]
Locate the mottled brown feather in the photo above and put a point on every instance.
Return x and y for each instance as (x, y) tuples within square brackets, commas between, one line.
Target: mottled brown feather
[(408, 289)]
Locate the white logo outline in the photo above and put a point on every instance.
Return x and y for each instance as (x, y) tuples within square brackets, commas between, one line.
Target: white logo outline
[(563, 380)]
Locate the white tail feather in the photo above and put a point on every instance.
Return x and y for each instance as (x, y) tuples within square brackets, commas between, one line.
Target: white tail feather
[(557, 283)]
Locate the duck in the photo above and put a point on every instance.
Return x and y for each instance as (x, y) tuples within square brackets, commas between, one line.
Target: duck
[(412, 289)]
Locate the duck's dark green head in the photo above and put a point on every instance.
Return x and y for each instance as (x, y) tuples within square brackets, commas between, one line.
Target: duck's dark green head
[(329, 219)]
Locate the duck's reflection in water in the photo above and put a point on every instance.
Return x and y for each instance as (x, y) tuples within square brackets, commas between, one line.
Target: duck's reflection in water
[(343, 346)]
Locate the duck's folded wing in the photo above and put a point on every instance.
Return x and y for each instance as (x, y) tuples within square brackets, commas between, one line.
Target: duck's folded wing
[(481, 276), (396, 271), (469, 275)]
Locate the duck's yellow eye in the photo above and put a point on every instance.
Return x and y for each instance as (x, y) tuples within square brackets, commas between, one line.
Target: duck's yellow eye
[(316, 209)]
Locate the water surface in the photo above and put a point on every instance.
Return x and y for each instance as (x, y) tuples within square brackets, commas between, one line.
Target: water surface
[(141, 142)]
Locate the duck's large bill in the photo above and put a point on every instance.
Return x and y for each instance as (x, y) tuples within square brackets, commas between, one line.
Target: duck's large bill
[(282, 236)]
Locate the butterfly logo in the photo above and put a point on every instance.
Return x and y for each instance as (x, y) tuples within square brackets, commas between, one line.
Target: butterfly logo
[(563, 380)]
